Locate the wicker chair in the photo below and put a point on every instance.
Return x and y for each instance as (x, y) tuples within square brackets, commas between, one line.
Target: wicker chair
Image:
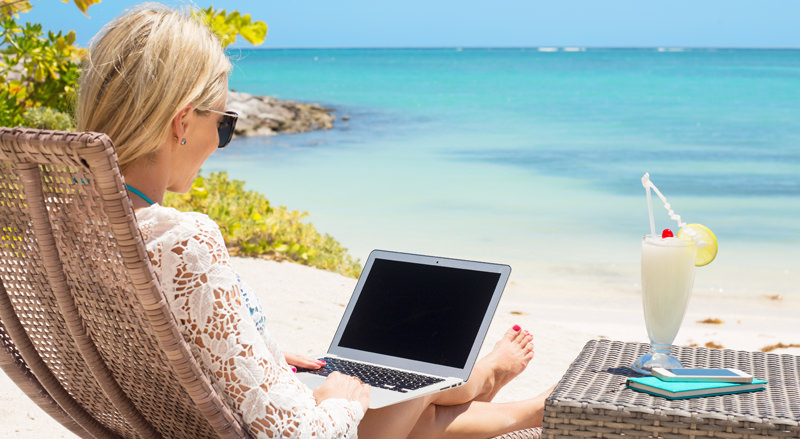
[(85, 329)]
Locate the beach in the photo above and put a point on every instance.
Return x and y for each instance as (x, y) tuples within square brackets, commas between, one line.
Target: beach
[(532, 159), (304, 305)]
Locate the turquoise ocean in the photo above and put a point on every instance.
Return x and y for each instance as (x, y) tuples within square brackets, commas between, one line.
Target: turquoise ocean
[(534, 157)]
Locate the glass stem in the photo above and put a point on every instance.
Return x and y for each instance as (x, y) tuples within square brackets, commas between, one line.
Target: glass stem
[(662, 349)]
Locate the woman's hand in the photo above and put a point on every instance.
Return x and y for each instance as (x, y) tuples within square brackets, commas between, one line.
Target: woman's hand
[(343, 386), (298, 360)]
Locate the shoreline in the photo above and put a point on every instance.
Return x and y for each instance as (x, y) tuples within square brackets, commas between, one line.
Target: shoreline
[(304, 305), (266, 116)]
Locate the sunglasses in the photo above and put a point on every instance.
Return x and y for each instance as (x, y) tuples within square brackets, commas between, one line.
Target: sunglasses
[(226, 126)]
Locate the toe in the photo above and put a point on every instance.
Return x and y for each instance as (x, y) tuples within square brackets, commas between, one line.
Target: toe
[(513, 333), (529, 356), (527, 338)]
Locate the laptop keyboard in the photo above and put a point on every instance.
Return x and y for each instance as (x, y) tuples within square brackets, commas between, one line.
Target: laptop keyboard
[(375, 376)]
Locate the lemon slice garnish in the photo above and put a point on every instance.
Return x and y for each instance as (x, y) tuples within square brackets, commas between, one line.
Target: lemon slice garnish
[(706, 254)]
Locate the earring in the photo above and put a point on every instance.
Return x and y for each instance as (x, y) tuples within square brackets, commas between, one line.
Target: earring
[(183, 141)]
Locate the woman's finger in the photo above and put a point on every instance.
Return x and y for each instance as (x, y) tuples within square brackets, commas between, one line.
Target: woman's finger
[(298, 360)]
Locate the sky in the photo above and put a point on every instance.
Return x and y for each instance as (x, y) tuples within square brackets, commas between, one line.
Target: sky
[(496, 23)]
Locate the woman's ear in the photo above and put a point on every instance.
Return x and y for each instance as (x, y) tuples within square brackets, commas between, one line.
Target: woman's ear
[(179, 124)]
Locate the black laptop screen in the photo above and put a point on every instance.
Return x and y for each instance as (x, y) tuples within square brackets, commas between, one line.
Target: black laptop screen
[(420, 312)]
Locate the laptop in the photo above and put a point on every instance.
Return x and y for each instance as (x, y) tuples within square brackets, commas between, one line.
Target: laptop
[(414, 325)]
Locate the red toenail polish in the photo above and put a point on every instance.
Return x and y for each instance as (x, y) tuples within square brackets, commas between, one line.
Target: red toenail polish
[(516, 328), (294, 369)]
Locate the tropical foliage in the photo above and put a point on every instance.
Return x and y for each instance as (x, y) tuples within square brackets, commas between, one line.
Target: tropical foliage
[(36, 70), (45, 118), (251, 226), (13, 7), (39, 69), (227, 26)]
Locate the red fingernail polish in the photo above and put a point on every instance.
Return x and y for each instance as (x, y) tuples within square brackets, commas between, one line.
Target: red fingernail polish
[(294, 369), (516, 328)]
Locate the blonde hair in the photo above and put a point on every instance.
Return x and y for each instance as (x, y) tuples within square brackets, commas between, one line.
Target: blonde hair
[(142, 69)]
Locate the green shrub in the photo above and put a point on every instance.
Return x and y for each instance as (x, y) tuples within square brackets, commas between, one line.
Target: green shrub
[(36, 69), (253, 227), (48, 119), (39, 68)]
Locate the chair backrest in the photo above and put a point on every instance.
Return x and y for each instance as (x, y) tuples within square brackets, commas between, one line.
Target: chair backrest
[(85, 329)]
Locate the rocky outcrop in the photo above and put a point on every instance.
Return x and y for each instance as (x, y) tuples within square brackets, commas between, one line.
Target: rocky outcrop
[(265, 116)]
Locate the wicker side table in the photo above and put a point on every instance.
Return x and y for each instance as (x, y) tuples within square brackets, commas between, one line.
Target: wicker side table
[(592, 401)]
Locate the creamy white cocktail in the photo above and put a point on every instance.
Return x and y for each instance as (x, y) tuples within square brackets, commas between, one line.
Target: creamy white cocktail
[(667, 278)]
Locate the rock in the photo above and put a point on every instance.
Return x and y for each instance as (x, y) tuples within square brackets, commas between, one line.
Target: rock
[(265, 116)]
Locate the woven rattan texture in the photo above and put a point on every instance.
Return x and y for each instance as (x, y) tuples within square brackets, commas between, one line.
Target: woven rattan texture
[(24, 276), (530, 433), (591, 400), (13, 366), (104, 264)]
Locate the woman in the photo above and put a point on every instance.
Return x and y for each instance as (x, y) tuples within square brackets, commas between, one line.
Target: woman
[(156, 82)]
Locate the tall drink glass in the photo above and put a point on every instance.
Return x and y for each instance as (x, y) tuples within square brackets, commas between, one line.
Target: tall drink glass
[(667, 280)]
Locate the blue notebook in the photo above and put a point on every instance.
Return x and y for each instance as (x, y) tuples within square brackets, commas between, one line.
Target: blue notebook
[(691, 389)]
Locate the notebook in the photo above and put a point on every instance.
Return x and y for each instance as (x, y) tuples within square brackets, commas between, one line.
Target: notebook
[(421, 320), (691, 389)]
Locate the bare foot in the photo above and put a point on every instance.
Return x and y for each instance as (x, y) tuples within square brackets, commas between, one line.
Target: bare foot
[(508, 359)]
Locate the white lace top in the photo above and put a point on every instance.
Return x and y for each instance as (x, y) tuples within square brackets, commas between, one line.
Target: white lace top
[(224, 326)]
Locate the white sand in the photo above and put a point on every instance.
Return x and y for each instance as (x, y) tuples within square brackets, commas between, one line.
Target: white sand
[(304, 306)]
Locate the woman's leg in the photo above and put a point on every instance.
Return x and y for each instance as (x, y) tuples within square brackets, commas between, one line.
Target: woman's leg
[(395, 421), (420, 418), (479, 420), (508, 359)]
